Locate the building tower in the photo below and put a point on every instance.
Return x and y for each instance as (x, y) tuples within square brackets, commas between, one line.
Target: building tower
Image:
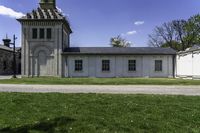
[(45, 34), (48, 4)]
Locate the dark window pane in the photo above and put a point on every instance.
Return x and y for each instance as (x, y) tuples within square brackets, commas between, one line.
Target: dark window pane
[(49, 33), (132, 65), (78, 65), (158, 65), (34, 33), (4, 65), (105, 65), (41, 33)]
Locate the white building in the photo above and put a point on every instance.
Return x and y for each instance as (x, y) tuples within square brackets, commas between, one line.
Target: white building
[(119, 62), (46, 51), (188, 63)]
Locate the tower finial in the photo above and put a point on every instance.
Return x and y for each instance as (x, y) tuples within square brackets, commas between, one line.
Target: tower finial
[(7, 41), (48, 4)]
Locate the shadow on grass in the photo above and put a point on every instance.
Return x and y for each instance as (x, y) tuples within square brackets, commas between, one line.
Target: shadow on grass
[(48, 126)]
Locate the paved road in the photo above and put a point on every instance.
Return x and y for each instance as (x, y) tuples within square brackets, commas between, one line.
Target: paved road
[(122, 89)]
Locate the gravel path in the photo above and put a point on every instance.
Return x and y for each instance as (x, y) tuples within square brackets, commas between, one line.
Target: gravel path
[(8, 76), (111, 89)]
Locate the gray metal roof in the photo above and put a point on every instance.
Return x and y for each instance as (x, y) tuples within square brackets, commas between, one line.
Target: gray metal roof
[(6, 48), (9, 48), (120, 51), (191, 49)]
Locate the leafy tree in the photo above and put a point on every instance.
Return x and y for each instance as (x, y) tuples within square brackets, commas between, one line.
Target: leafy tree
[(193, 27), (177, 34), (175, 45), (119, 42)]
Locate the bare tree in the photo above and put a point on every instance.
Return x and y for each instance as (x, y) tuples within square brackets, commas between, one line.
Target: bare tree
[(162, 34), (181, 32), (155, 40)]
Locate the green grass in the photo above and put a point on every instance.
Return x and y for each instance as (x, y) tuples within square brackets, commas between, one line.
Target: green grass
[(101, 81), (98, 113)]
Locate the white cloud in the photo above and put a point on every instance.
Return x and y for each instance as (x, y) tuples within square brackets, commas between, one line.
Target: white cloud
[(60, 10), (139, 22), (131, 32), (10, 12)]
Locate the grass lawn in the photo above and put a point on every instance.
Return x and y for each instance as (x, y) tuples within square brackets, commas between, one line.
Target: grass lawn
[(101, 81), (97, 113)]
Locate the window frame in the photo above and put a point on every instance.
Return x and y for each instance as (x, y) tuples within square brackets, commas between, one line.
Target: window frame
[(78, 65), (158, 66), (105, 67), (34, 33), (132, 67), (42, 36), (49, 33)]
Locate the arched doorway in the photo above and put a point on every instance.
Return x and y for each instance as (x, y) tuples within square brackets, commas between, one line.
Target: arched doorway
[(42, 63)]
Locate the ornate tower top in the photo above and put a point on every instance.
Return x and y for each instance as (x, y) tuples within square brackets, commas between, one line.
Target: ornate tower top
[(48, 4)]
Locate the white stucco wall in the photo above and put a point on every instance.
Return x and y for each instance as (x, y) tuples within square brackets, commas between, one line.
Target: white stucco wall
[(119, 66), (188, 64)]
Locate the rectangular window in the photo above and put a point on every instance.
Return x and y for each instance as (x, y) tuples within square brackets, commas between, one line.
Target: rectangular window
[(78, 65), (158, 65), (4, 65), (132, 65), (105, 65), (34, 33), (49, 33), (41, 33)]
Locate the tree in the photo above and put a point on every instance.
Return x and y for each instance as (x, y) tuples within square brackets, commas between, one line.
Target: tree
[(177, 34), (175, 45), (193, 26), (181, 32), (119, 42), (164, 34)]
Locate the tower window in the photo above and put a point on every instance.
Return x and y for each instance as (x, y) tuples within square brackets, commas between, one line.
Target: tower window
[(42, 33), (49, 33), (34, 33)]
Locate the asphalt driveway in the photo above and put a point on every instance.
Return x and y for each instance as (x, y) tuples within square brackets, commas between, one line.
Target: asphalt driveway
[(110, 89)]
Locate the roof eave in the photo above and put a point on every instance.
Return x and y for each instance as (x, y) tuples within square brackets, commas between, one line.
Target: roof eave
[(42, 20), (75, 53)]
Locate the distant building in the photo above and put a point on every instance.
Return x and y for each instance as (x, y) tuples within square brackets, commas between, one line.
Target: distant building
[(188, 63), (6, 58), (46, 51)]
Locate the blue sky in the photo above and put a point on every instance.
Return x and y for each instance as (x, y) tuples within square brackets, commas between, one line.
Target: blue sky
[(94, 22)]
